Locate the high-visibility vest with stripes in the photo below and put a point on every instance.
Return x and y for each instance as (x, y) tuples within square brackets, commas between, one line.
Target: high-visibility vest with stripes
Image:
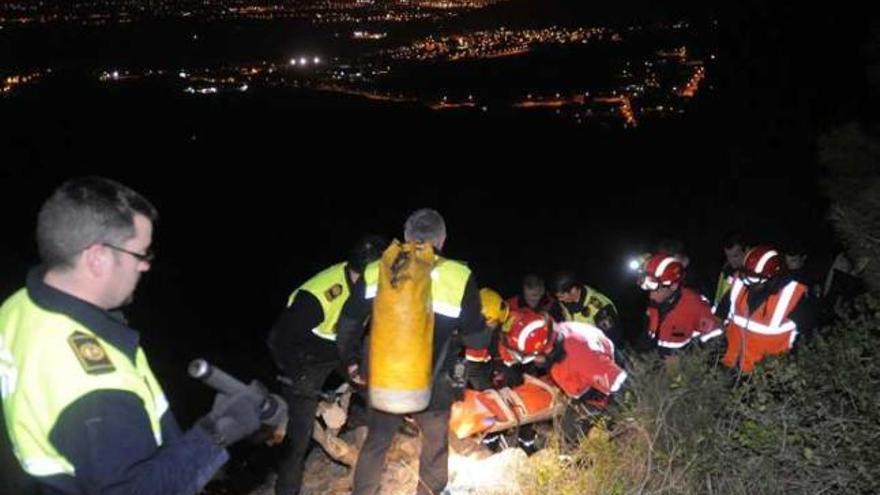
[(771, 317), (594, 301), (725, 282), (42, 373), (330, 288), (448, 281)]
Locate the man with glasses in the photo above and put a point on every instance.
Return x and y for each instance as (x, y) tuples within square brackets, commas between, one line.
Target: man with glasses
[(765, 310), (83, 409)]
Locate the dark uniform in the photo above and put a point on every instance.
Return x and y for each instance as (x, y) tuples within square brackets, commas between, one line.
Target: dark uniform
[(83, 409), (457, 321)]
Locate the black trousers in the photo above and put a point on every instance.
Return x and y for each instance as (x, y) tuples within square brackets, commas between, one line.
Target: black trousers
[(433, 461), (302, 401)]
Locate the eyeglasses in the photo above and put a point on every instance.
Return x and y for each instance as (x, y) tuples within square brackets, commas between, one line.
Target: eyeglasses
[(147, 257)]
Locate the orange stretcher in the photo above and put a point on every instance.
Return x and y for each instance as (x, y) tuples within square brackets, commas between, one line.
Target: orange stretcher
[(497, 410)]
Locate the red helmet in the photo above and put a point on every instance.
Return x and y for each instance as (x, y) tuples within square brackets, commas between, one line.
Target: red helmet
[(761, 264), (661, 269), (529, 333)]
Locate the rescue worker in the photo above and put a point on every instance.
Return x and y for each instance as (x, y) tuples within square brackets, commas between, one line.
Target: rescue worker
[(303, 344), (495, 312), (675, 314), (533, 296), (582, 303), (485, 369), (457, 321), (734, 253), (578, 357), (83, 409), (765, 310)]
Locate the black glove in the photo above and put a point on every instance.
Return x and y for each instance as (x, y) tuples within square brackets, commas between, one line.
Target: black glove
[(508, 376), (232, 418), (479, 375)]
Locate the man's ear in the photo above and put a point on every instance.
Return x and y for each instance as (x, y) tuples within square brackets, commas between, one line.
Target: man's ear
[(95, 259)]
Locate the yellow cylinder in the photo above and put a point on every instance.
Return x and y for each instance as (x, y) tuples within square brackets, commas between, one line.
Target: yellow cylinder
[(402, 330)]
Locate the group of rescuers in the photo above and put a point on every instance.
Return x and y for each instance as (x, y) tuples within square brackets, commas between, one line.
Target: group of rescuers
[(86, 415)]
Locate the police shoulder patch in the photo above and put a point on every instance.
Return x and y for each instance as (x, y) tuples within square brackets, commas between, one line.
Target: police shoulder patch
[(91, 355), (333, 292)]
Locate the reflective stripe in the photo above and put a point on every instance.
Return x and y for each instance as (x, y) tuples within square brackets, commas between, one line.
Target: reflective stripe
[(527, 332), (371, 291), (756, 327), (662, 266), (672, 345), (735, 289), (8, 372), (526, 443), (477, 355), (618, 381), (477, 359), (782, 304), (711, 335), (791, 339), (518, 359), (763, 261), (446, 309), (44, 466), (161, 409), (331, 337), (161, 405)]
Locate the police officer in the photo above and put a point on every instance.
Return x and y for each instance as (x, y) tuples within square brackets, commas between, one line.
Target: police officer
[(303, 344), (84, 411), (457, 321)]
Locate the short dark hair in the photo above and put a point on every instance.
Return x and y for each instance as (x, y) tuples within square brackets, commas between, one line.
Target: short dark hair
[(86, 211), (671, 246), (732, 239), (533, 281), (366, 250), (564, 280)]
